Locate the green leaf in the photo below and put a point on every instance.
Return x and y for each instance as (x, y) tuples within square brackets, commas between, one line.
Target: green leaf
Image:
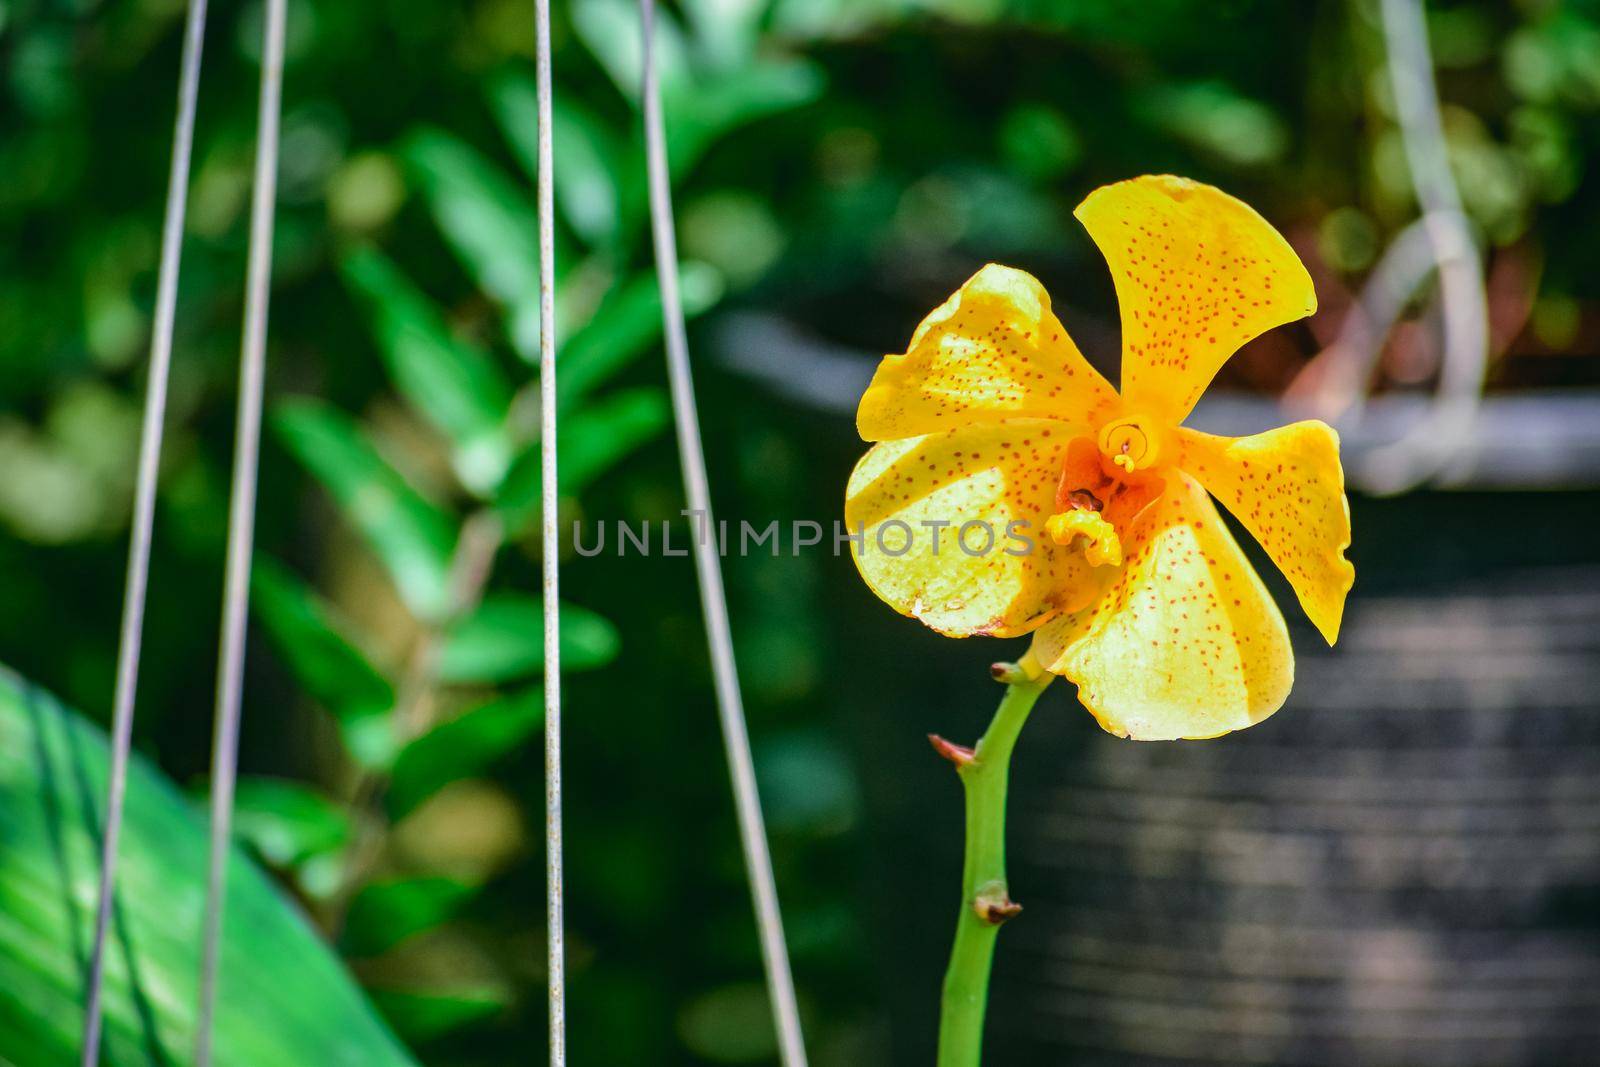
[(504, 640), (610, 30), (597, 437), (701, 105), (412, 537), (462, 747), (728, 1025), (386, 913), (625, 326), (288, 822), (716, 106), (592, 441), (586, 157), (285, 1001), (423, 1016), (326, 663), (726, 31), (488, 220), (454, 385), (514, 96)]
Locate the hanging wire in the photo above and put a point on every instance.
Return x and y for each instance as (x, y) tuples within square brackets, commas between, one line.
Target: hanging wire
[(1428, 448), (241, 521), (713, 601), (137, 581), (1347, 365), (555, 928)]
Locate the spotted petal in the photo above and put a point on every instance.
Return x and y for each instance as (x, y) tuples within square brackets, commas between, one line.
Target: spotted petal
[(1287, 488), (1198, 273), (1001, 477), (992, 351), (1186, 641)]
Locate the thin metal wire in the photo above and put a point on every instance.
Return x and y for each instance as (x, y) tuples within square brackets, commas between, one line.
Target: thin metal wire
[(713, 600), (1428, 448), (1350, 361), (138, 575), (241, 520), (555, 929)]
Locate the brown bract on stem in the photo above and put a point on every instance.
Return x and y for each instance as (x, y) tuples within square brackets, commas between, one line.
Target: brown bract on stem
[(960, 755), (1007, 673), (994, 905)]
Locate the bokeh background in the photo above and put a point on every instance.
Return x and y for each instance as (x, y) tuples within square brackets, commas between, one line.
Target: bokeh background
[(1400, 868)]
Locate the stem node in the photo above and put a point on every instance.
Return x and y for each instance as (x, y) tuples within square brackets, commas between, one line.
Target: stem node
[(994, 905), (985, 899)]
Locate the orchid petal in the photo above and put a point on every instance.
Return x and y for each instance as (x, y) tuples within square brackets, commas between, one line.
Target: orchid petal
[(1186, 642), (993, 351), (1198, 273), (1002, 477), (1286, 487)]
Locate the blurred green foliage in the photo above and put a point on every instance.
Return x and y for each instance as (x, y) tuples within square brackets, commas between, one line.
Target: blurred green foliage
[(843, 163)]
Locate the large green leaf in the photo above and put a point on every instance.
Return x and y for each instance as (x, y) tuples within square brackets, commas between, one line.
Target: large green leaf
[(413, 537), (285, 1001)]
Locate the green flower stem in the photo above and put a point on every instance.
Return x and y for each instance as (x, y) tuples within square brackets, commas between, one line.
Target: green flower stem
[(985, 901)]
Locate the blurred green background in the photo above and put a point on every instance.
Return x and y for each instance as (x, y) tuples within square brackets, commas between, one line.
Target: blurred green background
[(841, 166)]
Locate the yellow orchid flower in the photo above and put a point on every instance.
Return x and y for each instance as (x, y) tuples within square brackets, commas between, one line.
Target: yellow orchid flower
[(1093, 508)]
